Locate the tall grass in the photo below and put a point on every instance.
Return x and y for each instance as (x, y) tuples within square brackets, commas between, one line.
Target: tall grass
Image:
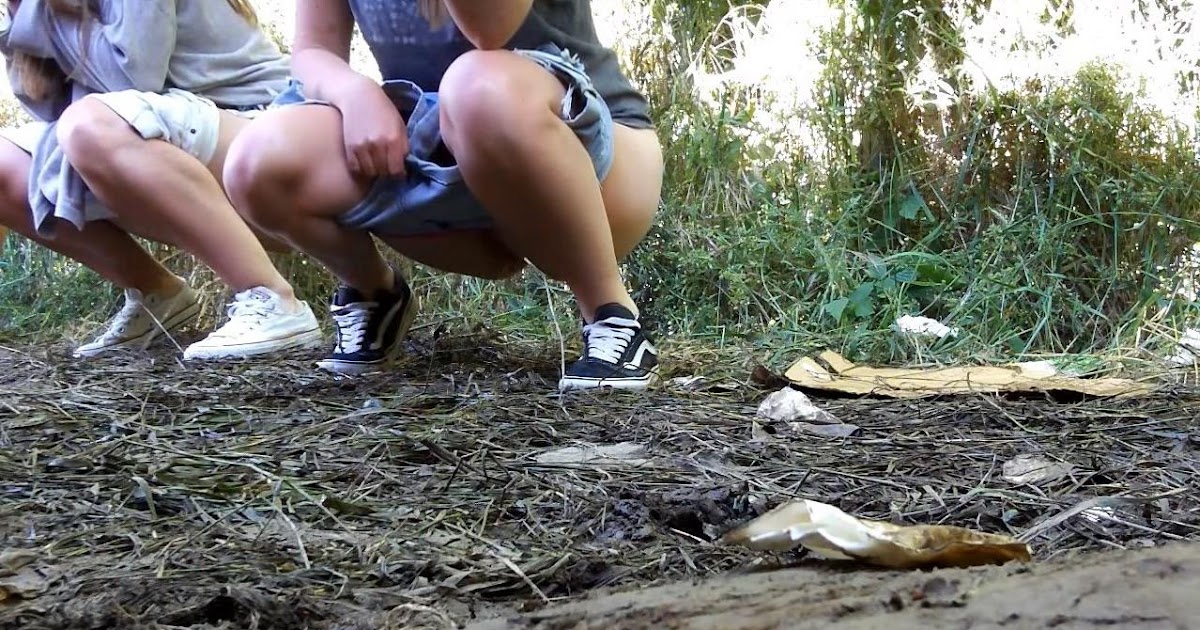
[(1040, 217), (835, 164)]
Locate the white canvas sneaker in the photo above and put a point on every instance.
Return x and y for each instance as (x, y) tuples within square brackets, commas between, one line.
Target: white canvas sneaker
[(143, 319), (259, 323)]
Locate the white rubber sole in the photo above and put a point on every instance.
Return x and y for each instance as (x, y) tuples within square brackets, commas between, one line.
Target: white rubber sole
[(577, 384), (308, 339), (143, 341), (351, 368)]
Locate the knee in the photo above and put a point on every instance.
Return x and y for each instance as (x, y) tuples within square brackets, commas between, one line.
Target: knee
[(262, 178), (88, 131), (490, 97)]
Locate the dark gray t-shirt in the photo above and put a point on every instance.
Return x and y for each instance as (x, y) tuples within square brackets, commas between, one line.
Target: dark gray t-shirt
[(405, 47)]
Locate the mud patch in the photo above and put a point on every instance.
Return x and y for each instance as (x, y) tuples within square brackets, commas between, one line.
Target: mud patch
[(699, 512)]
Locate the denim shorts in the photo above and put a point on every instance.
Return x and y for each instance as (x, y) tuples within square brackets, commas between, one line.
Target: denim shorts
[(432, 197)]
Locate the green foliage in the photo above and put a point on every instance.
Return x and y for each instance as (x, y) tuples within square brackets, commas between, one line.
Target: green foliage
[(1045, 219)]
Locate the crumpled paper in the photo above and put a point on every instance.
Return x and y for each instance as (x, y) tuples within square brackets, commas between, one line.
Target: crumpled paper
[(923, 327), (791, 408), (832, 534), (1187, 351), (791, 405)]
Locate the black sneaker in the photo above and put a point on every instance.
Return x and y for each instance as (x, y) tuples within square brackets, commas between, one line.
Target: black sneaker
[(369, 333), (617, 354)]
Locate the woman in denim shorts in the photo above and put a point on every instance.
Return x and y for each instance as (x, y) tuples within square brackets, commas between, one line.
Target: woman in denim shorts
[(503, 132)]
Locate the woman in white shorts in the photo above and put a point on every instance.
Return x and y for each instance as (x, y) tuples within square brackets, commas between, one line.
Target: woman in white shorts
[(136, 103)]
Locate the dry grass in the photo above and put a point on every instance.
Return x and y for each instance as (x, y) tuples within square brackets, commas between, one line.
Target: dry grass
[(276, 497)]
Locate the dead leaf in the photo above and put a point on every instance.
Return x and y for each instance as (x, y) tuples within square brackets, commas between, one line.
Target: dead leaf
[(838, 430), (20, 578), (12, 560), (627, 453), (1032, 469), (26, 584), (833, 534), (25, 422), (767, 379), (691, 383)]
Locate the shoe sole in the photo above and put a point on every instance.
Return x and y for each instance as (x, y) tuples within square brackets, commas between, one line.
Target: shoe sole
[(575, 384), (309, 339), (177, 321), (352, 368)]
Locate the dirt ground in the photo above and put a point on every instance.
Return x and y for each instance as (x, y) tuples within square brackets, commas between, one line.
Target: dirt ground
[(459, 491), (1145, 589)]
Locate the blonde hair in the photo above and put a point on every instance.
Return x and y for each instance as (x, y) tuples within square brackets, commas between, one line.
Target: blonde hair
[(434, 12), (43, 79), (245, 9)]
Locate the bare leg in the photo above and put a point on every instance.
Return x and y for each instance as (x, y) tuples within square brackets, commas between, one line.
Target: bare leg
[(159, 190), (289, 176), (630, 192), (500, 119), (100, 246)]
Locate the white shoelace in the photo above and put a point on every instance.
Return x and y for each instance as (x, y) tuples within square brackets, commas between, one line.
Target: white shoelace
[(246, 312), (120, 322), (352, 321), (608, 339)]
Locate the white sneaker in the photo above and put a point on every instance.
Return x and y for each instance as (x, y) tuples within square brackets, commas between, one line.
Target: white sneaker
[(142, 320), (259, 323)]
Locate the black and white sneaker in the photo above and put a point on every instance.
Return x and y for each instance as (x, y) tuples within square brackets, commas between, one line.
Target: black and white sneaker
[(617, 354), (369, 333)]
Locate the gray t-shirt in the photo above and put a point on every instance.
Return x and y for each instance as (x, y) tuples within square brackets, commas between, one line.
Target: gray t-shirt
[(200, 46), (405, 47)]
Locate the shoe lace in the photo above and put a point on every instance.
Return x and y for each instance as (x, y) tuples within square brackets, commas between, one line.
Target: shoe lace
[(352, 323), (608, 339), (118, 323), (246, 312)]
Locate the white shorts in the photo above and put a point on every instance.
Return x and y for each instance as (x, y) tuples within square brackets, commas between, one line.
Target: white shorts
[(187, 121), (181, 118), (26, 136)]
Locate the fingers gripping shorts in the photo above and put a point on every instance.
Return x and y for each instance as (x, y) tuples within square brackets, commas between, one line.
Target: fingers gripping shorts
[(432, 197)]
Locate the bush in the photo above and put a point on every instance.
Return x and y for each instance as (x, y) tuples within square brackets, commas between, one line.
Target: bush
[(1048, 214)]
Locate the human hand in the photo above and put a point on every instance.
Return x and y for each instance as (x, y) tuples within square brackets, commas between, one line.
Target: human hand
[(375, 134)]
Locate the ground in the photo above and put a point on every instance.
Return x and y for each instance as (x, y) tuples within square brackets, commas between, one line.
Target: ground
[(139, 492)]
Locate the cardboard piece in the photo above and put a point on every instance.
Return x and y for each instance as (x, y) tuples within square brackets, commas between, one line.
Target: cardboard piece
[(832, 372)]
